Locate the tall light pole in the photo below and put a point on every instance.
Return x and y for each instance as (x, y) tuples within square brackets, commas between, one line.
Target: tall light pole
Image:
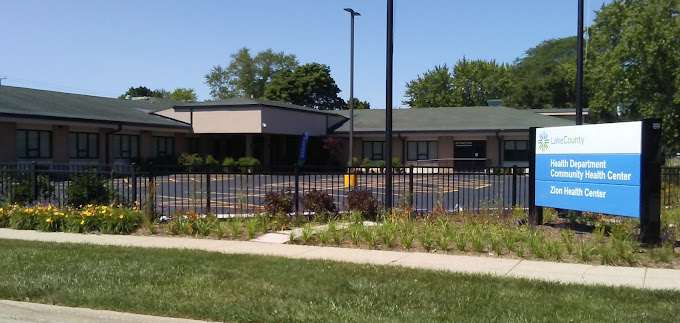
[(388, 104), (352, 14), (579, 65)]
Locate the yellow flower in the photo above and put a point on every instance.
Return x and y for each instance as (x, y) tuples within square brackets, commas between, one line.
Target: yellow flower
[(49, 220), (82, 222), (120, 216)]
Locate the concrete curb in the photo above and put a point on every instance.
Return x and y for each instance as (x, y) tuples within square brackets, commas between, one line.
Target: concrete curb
[(638, 277)]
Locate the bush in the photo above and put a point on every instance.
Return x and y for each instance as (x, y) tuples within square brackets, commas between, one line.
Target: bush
[(363, 202), (278, 203), (247, 163), (211, 163), (190, 161), (88, 189), (319, 202), (229, 163)]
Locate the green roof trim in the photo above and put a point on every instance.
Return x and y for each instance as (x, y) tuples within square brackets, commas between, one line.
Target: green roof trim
[(451, 119), (245, 102), (33, 103)]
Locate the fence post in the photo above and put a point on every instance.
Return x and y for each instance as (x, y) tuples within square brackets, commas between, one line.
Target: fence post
[(296, 196), (133, 179), (150, 203), (34, 182), (208, 193), (514, 186), (410, 187)]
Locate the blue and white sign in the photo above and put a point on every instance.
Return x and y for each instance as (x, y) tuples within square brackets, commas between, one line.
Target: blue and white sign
[(592, 168)]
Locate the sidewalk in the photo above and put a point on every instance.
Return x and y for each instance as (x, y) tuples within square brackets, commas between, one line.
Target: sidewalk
[(648, 278), (22, 312)]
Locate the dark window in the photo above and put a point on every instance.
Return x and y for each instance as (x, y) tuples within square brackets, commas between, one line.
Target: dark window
[(34, 143), (516, 150), (373, 150), (83, 145), (421, 150), (194, 145), (125, 146), (165, 146)]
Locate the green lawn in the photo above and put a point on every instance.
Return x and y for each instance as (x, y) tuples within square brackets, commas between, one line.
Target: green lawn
[(219, 287)]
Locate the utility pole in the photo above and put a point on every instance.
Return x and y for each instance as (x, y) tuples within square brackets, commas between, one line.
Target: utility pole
[(579, 65), (388, 105), (351, 85)]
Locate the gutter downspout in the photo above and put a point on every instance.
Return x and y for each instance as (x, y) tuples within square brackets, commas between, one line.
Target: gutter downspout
[(107, 139)]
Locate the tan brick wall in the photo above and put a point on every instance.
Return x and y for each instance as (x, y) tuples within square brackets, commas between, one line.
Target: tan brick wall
[(60, 144)]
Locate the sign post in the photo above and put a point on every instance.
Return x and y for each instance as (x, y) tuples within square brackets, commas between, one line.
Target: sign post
[(609, 168)]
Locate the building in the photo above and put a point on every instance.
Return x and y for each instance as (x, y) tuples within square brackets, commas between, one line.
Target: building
[(460, 137), (54, 127)]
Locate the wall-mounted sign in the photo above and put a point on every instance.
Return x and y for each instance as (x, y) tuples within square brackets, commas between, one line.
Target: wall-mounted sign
[(593, 168)]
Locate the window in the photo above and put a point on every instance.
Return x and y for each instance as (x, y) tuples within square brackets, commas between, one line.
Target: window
[(421, 150), (83, 145), (165, 146), (516, 150), (34, 143), (125, 146), (373, 150), (193, 144)]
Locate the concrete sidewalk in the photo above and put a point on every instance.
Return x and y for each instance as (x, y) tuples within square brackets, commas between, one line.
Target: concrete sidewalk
[(22, 312), (648, 278)]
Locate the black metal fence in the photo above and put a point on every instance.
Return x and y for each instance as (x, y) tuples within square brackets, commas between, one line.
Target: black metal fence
[(242, 191)]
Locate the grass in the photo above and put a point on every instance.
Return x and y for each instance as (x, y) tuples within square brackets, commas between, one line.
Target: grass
[(211, 286)]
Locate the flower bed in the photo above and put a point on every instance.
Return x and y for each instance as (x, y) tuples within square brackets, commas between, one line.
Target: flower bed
[(91, 218)]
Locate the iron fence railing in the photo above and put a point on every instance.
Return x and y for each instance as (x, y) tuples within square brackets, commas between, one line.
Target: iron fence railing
[(167, 190)]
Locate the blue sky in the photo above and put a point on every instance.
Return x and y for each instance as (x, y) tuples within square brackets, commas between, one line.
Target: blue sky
[(103, 47)]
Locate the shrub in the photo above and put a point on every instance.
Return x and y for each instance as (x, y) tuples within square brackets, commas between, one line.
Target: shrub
[(363, 202), (88, 189), (228, 163), (190, 161), (247, 163), (211, 164), (321, 203), (277, 204)]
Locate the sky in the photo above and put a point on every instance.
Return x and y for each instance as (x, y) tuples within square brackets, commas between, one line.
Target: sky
[(102, 47)]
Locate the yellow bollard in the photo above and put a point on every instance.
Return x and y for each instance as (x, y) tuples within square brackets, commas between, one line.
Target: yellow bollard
[(350, 180)]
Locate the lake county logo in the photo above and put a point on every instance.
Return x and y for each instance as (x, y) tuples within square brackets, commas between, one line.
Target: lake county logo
[(543, 141)]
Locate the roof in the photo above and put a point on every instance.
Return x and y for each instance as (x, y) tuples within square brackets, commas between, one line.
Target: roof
[(245, 102), (25, 102), (451, 119), (558, 111)]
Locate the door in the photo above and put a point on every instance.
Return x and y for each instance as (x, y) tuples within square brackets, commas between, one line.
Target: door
[(469, 154)]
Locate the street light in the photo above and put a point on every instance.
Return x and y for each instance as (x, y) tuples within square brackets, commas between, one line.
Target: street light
[(579, 66), (352, 14), (388, 104)]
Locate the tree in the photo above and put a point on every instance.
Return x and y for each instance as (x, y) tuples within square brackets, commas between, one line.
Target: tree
[(359, 104), (309, 85), (247, 76), (432, 89), (183, 94), (470, 83), (633, 64), (143, 91), (477, 81), (545, 76), (140, 91)]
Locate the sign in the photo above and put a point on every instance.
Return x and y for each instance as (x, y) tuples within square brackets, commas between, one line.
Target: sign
[(594, 168), (303, 148)]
